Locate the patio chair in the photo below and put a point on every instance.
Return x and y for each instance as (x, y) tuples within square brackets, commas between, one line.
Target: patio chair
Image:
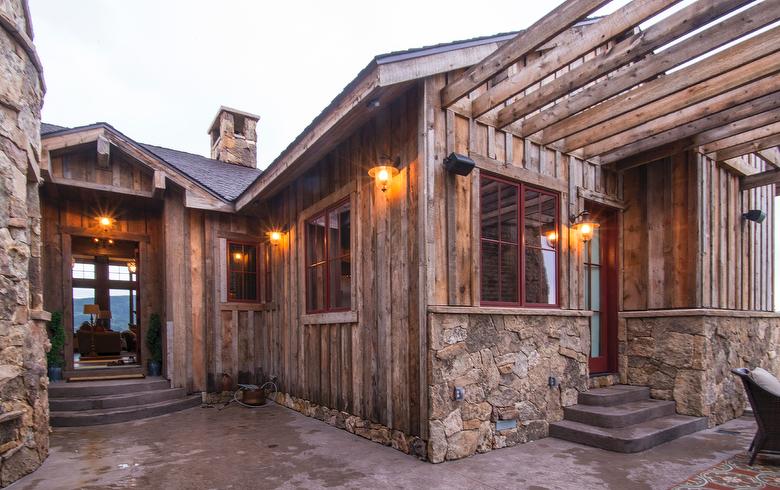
[(766, 409)]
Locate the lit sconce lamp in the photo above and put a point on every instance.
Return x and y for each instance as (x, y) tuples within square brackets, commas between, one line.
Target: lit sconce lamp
[(132, 267), (238, 256), (275, 237), (584, 225), (105, 221), (382, 174), (96, 240)]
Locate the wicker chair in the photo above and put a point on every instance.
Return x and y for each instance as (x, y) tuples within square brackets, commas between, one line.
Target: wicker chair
[(766, 408)]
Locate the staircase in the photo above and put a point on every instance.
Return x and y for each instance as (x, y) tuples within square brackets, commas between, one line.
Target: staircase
[(108, 402), (623, 419)]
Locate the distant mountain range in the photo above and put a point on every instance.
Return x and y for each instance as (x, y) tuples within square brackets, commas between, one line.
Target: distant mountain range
[(120, 312)]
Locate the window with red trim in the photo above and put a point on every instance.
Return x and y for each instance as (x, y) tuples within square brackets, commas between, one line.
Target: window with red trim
[(328, 260), (267, 274), (519, 229), (242, 271)]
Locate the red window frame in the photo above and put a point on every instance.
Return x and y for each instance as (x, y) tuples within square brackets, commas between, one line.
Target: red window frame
[(520, 245), (327, 259), (230, 270)]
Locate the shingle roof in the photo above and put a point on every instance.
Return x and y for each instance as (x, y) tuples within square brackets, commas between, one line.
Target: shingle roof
[(226, 180)]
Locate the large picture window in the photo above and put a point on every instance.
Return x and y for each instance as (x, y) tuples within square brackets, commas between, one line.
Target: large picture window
[(519, 244), (242, 271), (328, 260)]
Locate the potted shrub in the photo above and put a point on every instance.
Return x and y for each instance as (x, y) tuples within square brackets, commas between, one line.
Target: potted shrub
[(55, 357), (154, 343)]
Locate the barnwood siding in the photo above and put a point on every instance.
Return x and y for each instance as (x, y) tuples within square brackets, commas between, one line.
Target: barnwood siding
[(367, 362), (454, 200), (66, 215), (80, 166)]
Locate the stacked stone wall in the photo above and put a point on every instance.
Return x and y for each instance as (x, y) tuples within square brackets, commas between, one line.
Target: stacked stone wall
[(504, 364), (688, 358), (24, 422)]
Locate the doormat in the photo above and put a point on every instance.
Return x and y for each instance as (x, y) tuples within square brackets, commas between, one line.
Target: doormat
[(735, 474)]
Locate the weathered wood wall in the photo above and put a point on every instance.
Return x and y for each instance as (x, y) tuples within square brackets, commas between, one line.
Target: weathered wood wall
[(120, 173)]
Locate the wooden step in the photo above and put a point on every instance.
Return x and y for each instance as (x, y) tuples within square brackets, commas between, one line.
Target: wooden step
[(115, 415), (106, 373), (115, 401), (632, 439), (106, 388), (622, 415), (614, 395)]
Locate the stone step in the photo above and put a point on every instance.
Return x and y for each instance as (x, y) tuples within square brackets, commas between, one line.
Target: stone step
[(115, 401), (631, 439), (106, 388), (115, 415), (621, 415), (614, 395)]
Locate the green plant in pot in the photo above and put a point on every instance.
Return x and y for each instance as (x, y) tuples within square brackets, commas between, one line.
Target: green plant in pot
[(55, 358), (154, 343)]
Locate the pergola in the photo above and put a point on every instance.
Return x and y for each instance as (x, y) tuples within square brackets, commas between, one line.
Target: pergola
[(704, 77)]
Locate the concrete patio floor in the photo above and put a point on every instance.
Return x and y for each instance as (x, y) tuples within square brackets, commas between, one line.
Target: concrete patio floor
[(274, 447)]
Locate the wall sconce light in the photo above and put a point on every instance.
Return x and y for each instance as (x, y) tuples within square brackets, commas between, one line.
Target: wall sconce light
[(382, 174), (584, 225), (755, 215), (238, 256), (105, 221), (275, 237), (132, 267)]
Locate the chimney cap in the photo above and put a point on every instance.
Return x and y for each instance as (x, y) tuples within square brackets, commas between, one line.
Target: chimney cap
[(223, 108)]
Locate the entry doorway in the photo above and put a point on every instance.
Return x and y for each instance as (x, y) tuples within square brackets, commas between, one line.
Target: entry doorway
[(601, 288), (105, 303)]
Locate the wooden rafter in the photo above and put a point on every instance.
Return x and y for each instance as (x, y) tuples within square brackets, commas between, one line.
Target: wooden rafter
[(757, 180), (736, 127), (674, 102), (747, 147), (742, 138), (561, 18), (683, 116), (577, 44), (686, 131), (770, 156)]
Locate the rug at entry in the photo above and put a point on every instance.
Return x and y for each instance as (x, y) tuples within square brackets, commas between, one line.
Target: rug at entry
[(735, 474)]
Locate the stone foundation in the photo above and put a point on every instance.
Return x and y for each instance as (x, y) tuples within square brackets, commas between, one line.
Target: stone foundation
[(24, 406), (503, 362), (353, 424), (686, 356)]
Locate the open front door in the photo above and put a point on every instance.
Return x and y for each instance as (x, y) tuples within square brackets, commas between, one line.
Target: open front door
[(601, 288)]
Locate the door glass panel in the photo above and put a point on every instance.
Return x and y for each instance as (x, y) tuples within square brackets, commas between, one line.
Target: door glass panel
[(122, 309), (595, 335), (81, 297), (595, 286), (595, 247)]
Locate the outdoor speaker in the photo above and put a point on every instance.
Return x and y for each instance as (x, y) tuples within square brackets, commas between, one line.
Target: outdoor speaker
[(755, 215), (459, 164)]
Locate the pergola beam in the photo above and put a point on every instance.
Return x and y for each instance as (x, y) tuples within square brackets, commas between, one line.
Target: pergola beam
[(679, 118), (578, 45), (770, 156), (736, 127), (563, 119), (700, 92), (561, 18), (747, 147), (742, 138), (761, 179), (690, 129)]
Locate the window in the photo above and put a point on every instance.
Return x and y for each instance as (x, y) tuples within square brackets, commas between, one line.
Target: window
[(267, 274), (242, 271), (83, 270), (119, 272), (328, 260), (519, 244)]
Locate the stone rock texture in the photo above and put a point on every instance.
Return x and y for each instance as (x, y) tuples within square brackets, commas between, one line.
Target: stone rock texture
[(353, 424), (688, 358), (503, 362), (24, 407)]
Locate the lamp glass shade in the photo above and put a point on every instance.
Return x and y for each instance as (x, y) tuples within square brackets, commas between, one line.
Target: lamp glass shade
[(132, 267), (91, 309), (382, 174), (586, 228)]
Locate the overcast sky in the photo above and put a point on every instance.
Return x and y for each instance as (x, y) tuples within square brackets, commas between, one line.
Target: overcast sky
[(158, 70)]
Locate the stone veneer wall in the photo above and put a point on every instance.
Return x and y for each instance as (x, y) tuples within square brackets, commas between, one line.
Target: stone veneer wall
[(503, 361), (24, 411), (686, 356)]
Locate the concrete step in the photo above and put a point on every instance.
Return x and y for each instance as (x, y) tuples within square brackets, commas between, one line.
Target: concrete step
[(614, 395), (622, 415), (115, 401), (631, 439), (106, 388), (115, 415)]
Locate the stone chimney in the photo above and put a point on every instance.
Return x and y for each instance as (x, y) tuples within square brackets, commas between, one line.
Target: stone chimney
[(234, 137)]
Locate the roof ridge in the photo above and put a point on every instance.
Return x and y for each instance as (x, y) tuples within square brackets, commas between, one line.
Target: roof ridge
[(198, 155)]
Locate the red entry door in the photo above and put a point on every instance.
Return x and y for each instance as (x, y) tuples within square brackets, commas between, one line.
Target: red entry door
[(601, 288)]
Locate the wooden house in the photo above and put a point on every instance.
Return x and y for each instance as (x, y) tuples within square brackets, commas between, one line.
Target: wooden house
[(471, 236)]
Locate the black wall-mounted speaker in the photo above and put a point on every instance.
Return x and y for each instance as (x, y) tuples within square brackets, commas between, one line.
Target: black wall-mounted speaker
[(459, 164)]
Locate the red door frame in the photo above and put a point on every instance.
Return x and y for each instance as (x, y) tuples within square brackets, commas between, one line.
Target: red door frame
[(607, 218)]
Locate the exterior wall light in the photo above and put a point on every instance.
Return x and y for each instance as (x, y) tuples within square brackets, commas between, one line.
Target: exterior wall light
[(584, 225), (383, 174), (105, 221), (132, 267), (238, 256), (275, 237)]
